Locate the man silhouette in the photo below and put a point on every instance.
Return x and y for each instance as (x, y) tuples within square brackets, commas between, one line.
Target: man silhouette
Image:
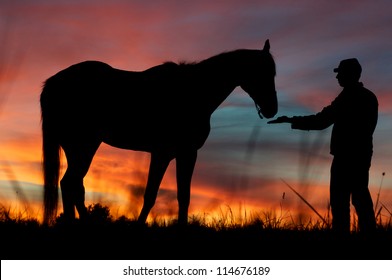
[(353, 114)]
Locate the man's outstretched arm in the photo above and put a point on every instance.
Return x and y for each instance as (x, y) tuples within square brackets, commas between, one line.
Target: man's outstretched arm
[(282, 119)]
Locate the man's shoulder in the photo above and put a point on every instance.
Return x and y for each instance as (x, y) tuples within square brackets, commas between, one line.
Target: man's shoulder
[(368, 92), (369, 96)]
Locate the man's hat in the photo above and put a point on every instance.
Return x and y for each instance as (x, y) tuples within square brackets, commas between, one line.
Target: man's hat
[(350, 65)]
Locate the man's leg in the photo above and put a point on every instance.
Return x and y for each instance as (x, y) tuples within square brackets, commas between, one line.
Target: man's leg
[(340, 196), (362, 199)]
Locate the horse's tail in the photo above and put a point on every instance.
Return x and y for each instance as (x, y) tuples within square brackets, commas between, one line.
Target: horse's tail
[(50, 156)]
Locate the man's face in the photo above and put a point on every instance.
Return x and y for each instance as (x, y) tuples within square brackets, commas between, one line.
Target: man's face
[(344, 78), (340, 78)]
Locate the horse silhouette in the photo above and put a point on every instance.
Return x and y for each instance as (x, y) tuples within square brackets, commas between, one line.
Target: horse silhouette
[(164, 110)]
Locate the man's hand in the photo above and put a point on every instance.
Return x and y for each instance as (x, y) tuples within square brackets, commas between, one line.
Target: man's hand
[(282, 119)]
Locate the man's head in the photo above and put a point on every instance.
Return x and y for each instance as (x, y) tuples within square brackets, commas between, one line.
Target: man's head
[(349, 71)]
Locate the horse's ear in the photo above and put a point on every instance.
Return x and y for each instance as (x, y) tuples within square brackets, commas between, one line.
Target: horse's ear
[(266, 46)]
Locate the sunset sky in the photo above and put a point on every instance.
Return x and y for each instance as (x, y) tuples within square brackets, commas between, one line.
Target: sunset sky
[(245, 161)]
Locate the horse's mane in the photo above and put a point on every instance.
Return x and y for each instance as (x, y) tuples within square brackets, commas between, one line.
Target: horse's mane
[(239, 54), (185, 63), (181, 63), (244, 59)]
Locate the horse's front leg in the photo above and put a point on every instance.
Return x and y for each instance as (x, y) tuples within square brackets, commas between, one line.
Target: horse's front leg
[(158, 165), (185, 164)]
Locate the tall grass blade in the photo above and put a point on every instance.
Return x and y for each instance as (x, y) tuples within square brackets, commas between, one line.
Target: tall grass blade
[(250, 148), (390, 213), (306, 202), (379, 191), (378, 213)]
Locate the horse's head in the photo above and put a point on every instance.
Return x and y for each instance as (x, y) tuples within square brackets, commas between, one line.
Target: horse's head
[(259, 81)]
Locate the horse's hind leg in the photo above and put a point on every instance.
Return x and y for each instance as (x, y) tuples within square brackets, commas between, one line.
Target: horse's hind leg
[(79, 157)]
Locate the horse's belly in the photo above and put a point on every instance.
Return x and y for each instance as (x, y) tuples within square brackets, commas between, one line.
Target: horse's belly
[(130, 140), (157, 137)]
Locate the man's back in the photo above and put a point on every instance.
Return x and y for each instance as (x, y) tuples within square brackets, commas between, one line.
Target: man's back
[(356, 113)]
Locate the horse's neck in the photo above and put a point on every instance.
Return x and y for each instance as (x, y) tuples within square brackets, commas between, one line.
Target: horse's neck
[(222, 76)]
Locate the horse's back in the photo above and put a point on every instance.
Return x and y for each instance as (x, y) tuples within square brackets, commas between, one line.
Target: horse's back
[(100, 80)]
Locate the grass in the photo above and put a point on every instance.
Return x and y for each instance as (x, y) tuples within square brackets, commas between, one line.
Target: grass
[(264, 236)]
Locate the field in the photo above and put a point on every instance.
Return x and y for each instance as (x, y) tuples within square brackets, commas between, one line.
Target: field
[(104, 238)]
